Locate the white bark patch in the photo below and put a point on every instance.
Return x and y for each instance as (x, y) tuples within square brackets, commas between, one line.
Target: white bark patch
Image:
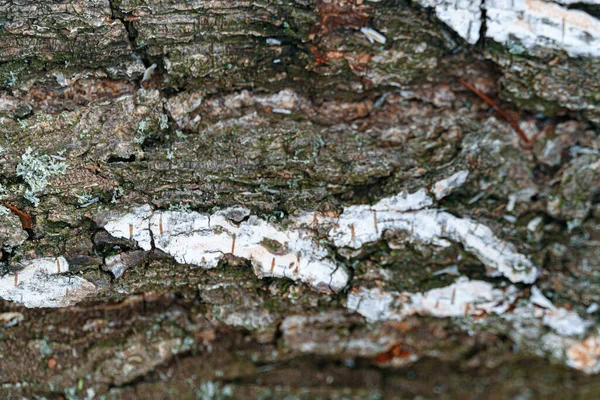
[(359, 225), (446, 186), (376, 304), (202, 239), (273, 42), (461, 299), (116, 265), (134, 226), (566, 322), (463, 16), (539, 23), (40, 284), (372, 35), (540, 300), (285, 99), (531, 23), (149, 72), (473, 300), (255, 319), (562, 321)]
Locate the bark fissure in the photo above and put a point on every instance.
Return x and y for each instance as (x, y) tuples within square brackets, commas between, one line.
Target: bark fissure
[(420, 217)]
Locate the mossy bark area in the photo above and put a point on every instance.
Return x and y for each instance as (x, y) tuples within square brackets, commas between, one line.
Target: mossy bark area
[(282, 108)]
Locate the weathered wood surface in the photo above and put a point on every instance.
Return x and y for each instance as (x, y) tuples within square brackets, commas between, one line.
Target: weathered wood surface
[(373, 229)]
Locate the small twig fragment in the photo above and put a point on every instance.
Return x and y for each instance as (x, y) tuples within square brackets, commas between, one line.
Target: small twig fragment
[(375, 221), (372, 35), (148, 73), (496, 107)]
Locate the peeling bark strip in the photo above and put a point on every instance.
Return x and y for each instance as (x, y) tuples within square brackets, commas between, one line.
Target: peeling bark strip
[(473, 300), (464, 16), (533, 23), (463, 298), (411, 213), (201, 239)]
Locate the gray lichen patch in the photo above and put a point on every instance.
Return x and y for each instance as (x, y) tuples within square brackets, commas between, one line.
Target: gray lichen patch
[(68, 91), (109, 130), (302, 160), (134, 360), (490, 148), (36, 170)]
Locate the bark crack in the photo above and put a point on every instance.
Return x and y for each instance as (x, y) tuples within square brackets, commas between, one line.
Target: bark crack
[(483, 27), (128, 19)]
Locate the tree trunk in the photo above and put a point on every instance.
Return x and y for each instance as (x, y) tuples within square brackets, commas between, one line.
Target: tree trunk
[(299, 198)]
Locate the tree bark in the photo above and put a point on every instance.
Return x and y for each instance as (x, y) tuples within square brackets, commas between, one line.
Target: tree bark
[(155, 156)]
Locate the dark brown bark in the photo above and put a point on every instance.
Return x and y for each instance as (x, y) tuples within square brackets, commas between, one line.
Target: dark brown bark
[(282, 108)]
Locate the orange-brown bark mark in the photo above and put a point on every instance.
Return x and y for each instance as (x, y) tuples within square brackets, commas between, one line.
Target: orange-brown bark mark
[(319, 55), (336, 16), (26, 220), (396, 351), (343, 14), (358, 62)]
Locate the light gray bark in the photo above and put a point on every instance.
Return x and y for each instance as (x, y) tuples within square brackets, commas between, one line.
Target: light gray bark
[(285, 107)]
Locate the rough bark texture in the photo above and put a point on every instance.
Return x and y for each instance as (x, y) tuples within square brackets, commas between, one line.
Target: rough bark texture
[(279, 117)]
